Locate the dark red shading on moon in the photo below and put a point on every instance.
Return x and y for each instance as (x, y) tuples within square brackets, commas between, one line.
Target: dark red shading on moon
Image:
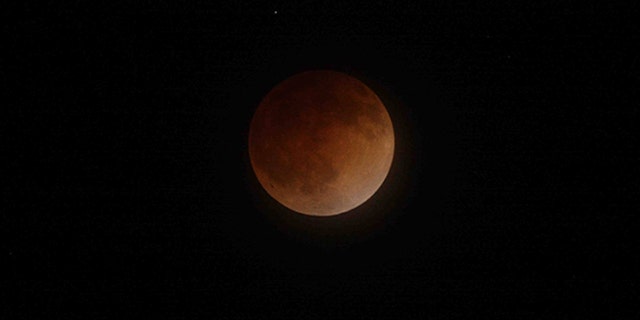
[(321, 143)]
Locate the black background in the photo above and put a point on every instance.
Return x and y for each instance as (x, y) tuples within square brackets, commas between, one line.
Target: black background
[(128, 191)]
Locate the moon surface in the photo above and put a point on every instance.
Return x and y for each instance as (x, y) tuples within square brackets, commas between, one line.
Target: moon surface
[(321, 143)]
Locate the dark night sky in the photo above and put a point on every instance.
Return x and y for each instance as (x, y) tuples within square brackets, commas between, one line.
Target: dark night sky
[(514, 191)]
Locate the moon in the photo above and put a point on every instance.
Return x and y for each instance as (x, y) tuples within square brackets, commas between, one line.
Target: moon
[(321, 143)]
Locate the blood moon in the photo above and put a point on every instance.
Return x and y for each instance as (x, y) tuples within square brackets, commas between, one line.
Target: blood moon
[(321, 143)]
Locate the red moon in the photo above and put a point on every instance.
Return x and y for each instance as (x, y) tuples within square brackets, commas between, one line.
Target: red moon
[(321, 143)]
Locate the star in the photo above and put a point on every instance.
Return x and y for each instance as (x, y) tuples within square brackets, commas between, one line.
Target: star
[(275, 12)]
